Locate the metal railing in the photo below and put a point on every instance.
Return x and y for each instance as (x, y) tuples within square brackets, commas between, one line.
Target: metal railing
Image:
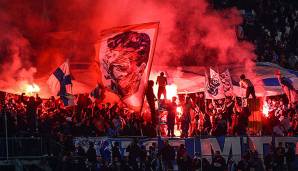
[(27, 147)]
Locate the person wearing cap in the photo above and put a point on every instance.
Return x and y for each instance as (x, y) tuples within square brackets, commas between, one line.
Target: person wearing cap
[(247, 84), (162, 82)]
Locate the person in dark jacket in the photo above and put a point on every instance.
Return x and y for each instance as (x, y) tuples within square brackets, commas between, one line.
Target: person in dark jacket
[(290, 156), (31, 108), (183, 160), (269, 161), (218, 162), (150, 96), (167, 155), (116, 151), (172, 107), (186, 117), (91, 153), (134, 153), (247, 84), (280, 154)]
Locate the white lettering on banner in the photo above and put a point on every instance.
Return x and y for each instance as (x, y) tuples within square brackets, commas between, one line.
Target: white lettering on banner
[(287, 140), (123, 145), (231, 143), (258, 143), (176, 143), (148, 143), (284, 140)]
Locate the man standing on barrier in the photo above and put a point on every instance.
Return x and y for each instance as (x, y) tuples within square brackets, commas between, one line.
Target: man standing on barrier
[(162, 83), (247, 84)]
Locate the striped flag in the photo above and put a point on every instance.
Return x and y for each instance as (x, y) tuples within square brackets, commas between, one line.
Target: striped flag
[(61, 85)]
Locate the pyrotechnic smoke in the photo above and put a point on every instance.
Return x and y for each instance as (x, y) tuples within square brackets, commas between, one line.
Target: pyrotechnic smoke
[(44, 33), (15, 60)]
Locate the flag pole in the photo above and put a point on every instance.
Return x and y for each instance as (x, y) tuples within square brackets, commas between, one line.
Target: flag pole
[(149, 67), (74, 105), (205, 96), (149, 70)]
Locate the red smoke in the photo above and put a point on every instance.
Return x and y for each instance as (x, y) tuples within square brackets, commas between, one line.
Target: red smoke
[(42, 34)]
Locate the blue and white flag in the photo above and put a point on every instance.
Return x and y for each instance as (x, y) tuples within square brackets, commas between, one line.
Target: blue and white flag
[(61, 85)]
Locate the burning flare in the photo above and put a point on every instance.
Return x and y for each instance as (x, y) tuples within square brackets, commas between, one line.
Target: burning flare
[(265, 109), (171, 91), (31, 88)]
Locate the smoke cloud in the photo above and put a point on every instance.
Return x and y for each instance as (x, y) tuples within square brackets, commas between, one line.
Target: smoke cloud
[(37, 36)]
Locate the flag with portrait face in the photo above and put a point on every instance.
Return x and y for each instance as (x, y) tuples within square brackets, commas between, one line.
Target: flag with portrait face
[(226, 81), (213, 86), (125, 56)]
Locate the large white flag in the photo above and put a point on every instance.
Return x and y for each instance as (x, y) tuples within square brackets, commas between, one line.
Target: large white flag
[(125, 56), (214, 88)]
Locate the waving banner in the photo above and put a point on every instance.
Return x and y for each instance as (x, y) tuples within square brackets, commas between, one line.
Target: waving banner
[(226, 81), (125, 56), (214, 87)]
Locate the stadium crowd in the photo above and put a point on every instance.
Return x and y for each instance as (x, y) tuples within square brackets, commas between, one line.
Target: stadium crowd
[(29, 116), (272, 25), (229, 116)]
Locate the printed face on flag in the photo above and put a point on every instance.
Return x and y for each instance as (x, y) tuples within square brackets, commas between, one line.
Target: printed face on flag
[(125, 57), (226, 81), (214, 87), (125, 60), (214, 83)]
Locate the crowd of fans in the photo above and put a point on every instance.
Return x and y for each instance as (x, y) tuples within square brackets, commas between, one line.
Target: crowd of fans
[(196, 117), (281, 120), (50, 117), (273, 28), (271, 25), (169, 157), (33, 115), (231, 116)]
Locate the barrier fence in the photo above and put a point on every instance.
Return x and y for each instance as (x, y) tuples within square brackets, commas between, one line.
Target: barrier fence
[(27, 147)]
